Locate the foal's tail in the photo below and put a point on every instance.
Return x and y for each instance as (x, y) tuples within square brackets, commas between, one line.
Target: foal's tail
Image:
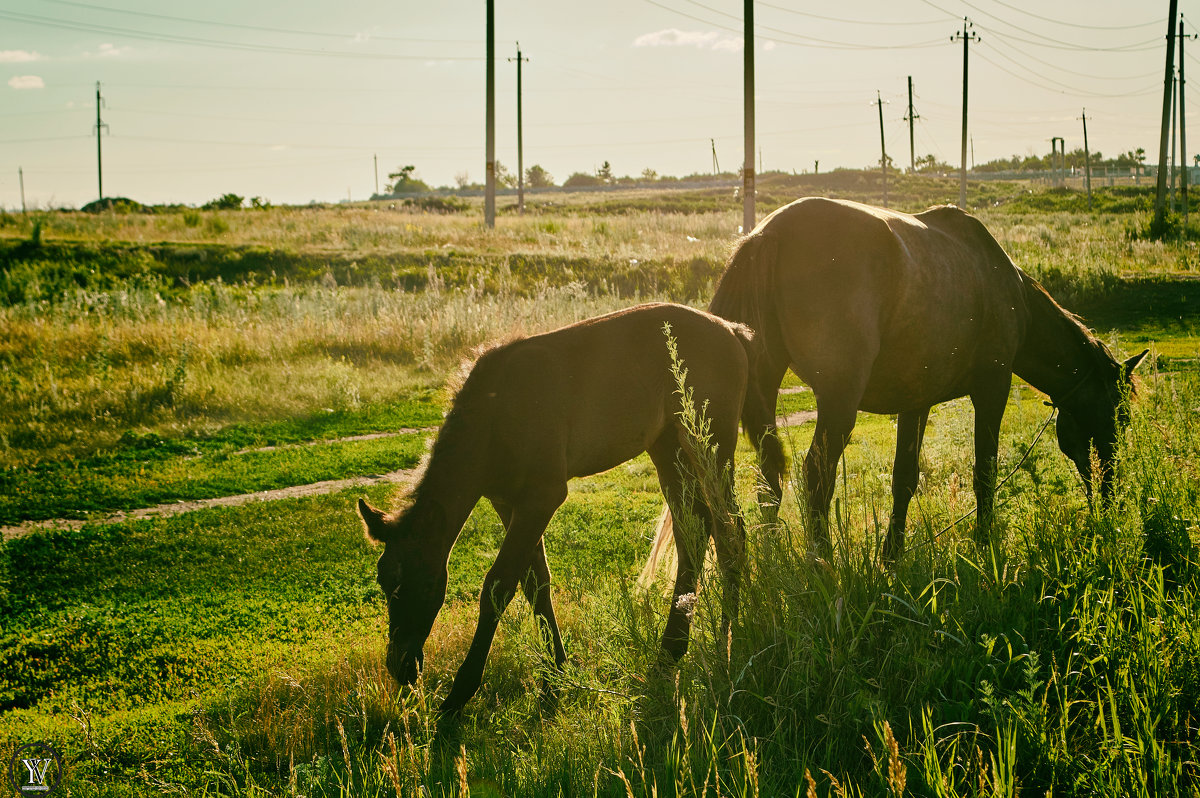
[(660, 550)]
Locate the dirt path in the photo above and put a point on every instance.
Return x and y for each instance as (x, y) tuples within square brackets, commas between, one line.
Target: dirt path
[(313, 489), (175, 508)]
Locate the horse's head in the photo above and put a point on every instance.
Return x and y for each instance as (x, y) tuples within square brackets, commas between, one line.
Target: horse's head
[(412, 576), (1092, 415)]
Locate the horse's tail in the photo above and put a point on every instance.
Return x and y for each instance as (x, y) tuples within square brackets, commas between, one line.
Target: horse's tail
[(745, 294), (664, 536)]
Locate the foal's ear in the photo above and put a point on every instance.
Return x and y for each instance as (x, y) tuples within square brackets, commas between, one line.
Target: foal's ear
[(374, 523), (1132, 362)]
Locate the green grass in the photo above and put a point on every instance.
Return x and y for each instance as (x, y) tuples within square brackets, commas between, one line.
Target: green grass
[(238, 651)]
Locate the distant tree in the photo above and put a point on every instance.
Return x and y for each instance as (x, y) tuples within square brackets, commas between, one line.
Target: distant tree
[(930, 164), (462, 179), (581, 180), (405, 181), (537, 177), (504, 177), (260, 204), (227, 202), (649, 175), (605, 173)]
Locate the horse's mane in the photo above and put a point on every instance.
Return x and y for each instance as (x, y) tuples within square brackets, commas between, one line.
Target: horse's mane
[(1047, 312), (465, 423)]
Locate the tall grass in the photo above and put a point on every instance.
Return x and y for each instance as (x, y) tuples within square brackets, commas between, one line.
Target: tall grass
[(1064, 661), (81, 372)]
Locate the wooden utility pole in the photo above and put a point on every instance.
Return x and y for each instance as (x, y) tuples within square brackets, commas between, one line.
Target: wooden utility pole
[(520, 140), (716, 166), (100, 126), (1087, 161), (1160, 195), (967, 37), (748, 217), (21, 178), (912, 117), (489, 194), (882, 148)]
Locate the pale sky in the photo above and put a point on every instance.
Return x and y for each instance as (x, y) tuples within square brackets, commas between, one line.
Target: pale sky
[(291, 101)]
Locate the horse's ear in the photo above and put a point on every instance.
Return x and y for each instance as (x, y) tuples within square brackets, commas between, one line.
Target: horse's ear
[(1133, 362), (374, 522)]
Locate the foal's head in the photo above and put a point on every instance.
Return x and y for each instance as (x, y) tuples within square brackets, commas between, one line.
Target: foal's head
[(412, 577), (1092, 415)]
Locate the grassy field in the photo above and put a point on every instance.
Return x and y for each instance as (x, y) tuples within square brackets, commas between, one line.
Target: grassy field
[(239, 651)]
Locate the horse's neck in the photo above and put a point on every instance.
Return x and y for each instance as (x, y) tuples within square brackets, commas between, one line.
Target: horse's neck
[(1057, 352), (455, 492)]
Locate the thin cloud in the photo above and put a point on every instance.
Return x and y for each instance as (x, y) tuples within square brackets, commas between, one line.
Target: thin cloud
[(703, 40), (108, 50), (20, 82), (19, 56)]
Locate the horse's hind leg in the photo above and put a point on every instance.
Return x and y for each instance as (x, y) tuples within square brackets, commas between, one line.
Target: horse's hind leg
[(910, 432), (836, 415), (528, 522), (758, 417)]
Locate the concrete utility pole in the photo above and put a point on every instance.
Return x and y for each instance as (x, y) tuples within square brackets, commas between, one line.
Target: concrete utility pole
[(1058, 160), (1183, 160), (376, 174), (520, 141), (1174, 150), (748, 217), (1160, 195), (967, 37), (912, 117), (489, 193), (882, 147), (716, 166), (100, 126), (1087, 161), (21, 178)]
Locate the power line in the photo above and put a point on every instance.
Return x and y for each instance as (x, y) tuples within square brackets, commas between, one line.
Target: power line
[(1076, 23), (887, 23), (796, 39), (51, 22), (259, 28)]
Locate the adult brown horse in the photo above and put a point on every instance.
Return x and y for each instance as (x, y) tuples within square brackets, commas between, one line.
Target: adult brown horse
[(532, 414), (893, 313)]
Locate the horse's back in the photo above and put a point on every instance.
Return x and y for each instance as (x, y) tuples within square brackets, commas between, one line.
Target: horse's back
[(589, 396), (907, 308)]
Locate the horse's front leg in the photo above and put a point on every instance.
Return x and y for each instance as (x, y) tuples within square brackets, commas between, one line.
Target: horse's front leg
[(536, 585), (528, 522), (989, 412), (906, 472)]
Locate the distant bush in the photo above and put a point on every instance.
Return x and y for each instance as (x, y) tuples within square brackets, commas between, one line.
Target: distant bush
[(582, 180), (438, 204), (116, 205), (227, 202)]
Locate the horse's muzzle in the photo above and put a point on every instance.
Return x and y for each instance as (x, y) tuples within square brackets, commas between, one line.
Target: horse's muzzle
[(404, 666)]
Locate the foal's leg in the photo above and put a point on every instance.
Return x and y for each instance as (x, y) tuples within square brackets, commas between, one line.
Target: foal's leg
[(536, 585), (910, 432), (528, 522), (663, 453), (989, 402)]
